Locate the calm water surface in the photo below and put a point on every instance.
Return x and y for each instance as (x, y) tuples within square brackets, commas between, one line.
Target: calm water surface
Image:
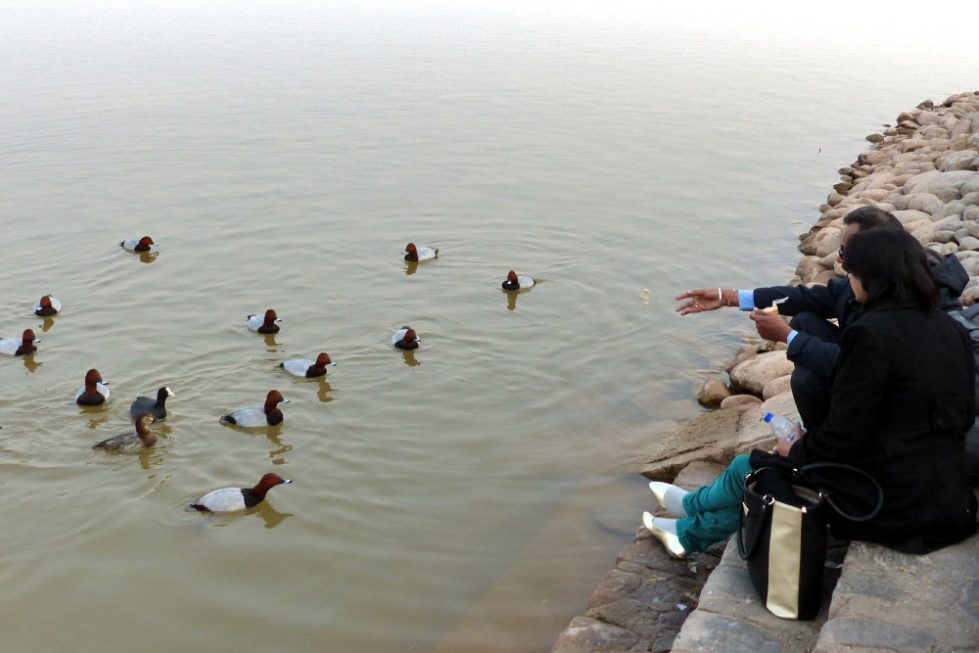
[(466, 497)]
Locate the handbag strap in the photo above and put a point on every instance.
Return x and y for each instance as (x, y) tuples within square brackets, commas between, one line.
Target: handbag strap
[(744, 550), (852, 470)]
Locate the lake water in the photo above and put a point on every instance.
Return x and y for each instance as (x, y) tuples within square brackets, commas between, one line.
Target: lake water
[(468, 497)]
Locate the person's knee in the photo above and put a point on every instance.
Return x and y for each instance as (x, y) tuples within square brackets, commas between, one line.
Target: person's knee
[(815, 326)]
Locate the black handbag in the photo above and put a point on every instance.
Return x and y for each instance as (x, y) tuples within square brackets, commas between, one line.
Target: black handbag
[(782, 535)]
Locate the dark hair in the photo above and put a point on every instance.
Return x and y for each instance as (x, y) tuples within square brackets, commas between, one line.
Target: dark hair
[(892, 268), (871, 217)]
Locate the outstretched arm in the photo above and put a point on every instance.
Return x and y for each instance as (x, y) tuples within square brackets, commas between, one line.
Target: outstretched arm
[(706, 299)]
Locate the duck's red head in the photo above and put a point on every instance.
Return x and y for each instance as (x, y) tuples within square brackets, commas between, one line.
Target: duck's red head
[(511, 276), (28, 338), (323, 359), (145, 242), (410, 336), (46, 301), (274, 398), (268, 482), (411, 249), (270, 317), (92, 377)]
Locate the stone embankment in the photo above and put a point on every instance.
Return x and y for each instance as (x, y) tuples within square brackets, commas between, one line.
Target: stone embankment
[(925, 170)]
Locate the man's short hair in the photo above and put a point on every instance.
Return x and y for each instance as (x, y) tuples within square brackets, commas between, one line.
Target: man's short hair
[(871, 217)]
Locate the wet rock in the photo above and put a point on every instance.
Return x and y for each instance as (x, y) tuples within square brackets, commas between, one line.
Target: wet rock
[(875, 138), (712, 392)]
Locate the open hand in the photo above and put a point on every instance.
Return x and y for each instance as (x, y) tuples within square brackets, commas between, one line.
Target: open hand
[(702, 299), (770, 326)]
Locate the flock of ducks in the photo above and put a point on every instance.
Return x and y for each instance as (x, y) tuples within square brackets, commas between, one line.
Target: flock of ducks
[(147, 410)]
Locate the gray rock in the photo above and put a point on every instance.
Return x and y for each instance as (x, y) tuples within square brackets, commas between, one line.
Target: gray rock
[(584, 635), (961, 160), (925, 202), (970, 198), (909, 216), (944, 185), (954, 208), (969, 242), (971, 185), (971, 213)]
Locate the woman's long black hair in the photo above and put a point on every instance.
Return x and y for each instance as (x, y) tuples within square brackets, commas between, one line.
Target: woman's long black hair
[(892, 267)]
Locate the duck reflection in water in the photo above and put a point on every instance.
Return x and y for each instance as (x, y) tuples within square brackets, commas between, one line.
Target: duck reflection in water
[(409, 358), (411, 267), (148, 257), (270, 342), (30, 363), (270, 515), (272, 433), (511, 300), (324, 391), (47, 324)]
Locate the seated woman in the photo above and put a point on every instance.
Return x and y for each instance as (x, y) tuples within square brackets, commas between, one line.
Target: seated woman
[(901, 400)]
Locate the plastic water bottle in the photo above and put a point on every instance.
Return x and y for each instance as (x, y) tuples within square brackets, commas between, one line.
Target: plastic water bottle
[(785, 430)]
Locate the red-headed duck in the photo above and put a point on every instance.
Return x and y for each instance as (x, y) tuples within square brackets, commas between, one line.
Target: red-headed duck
[(513, 282), (307, 368), (157, 407), (267, 323), (136, 440), (233, 499), (144, 244), (405, 338), (47, 306), (414, 252), (258, 416), (95, 392), (22, 346)]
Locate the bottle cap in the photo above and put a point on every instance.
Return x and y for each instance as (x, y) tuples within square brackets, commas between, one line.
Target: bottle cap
[(768, 417)]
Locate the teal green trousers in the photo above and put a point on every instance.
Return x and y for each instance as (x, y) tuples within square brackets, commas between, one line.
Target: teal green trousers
[(713, 509)]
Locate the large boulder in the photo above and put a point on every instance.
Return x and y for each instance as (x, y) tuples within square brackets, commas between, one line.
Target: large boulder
[(961, 160), (754, 373), (944, 185)]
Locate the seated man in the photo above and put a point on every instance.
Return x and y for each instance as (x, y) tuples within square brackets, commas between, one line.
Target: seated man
[(813, 341)]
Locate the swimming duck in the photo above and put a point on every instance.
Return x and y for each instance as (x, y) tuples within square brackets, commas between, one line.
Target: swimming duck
[(405, 338), (255, 416), (157, 407), (141, 438), (233, 499), (142, 245), (513, 282), (307, 368), (19, 346), (47, 306), (264, 324), (95, 391), (414, 252)]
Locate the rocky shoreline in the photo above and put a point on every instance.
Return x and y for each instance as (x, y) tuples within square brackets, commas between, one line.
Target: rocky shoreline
[(925, 170)]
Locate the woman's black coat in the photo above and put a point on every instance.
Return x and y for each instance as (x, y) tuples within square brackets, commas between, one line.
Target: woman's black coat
[(902, 398)]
